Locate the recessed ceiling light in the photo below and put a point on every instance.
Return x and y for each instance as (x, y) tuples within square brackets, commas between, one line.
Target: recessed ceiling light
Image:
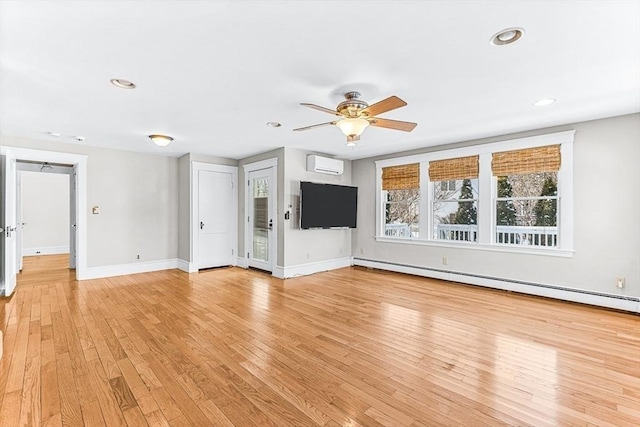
[(507, 36), (274, 124), (544, 102), (123, 84), (56, 134)]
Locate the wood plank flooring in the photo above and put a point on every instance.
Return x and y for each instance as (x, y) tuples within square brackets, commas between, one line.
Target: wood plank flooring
[(351, 347)]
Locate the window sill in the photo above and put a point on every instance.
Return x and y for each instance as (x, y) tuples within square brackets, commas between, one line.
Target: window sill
[(552, 252)]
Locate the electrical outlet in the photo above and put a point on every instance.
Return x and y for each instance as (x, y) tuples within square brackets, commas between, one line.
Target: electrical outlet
[(361, 251), (445, 261), (137, 256), (620, 282), (308, 255)]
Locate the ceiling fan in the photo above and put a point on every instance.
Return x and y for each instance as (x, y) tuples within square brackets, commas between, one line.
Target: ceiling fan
[(356, 115)]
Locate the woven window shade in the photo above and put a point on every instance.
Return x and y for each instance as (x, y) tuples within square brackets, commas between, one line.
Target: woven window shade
[(530, 160), (450, 169), (404, 177)]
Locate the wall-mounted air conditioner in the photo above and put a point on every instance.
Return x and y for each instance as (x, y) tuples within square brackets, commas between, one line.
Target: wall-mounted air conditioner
[(324, 165)]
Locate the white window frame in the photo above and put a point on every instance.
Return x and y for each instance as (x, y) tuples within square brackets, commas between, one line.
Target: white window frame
[(432, 188), (487, 193)]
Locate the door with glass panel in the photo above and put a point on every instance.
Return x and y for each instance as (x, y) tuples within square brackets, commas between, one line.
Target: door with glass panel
[(261, 218)]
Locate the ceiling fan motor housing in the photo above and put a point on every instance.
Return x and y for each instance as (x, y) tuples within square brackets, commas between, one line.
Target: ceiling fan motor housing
[(352, 106)]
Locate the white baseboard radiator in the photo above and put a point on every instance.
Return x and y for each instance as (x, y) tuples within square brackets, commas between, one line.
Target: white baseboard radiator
[(619, 302)]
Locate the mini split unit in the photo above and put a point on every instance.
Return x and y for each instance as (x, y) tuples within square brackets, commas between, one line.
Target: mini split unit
[(326, 165)]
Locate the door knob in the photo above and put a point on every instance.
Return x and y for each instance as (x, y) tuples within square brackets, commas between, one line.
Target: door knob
[(271, 224), (201, 225)]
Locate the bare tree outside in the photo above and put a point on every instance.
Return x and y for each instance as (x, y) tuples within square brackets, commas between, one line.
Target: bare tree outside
[(402, 209)]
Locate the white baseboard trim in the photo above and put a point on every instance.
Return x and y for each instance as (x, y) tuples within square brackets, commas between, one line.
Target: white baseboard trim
[(50, 250), (123, 269), (311, 268), (567, 294), (241, 262), (186, 266)]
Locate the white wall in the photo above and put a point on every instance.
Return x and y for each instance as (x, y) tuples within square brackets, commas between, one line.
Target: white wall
[(606, 222), (45, 212), (309, 246), (184, 208), (138, 199), (297, 247)]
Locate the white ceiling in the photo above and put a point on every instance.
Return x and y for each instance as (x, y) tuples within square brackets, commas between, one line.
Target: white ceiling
[(212, 73)]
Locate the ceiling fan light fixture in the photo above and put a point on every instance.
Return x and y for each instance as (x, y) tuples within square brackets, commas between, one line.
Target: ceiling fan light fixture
[(161, 140), (352, 126)]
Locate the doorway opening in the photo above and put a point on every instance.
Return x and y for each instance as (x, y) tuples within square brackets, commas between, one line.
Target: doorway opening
[(45, 211), (10, 157)]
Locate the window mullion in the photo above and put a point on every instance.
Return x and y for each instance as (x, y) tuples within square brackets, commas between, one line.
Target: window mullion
[(486, 204), (425, 213)]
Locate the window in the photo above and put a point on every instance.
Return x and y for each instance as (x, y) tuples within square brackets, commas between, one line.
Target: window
[(448, 185), (527, 196), (401, 195), (455, 212), (513, 196)]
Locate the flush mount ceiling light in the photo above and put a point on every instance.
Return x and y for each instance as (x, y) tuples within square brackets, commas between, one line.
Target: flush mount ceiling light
[(544, 102), (161, 140), (123, 84), (507, 36), (54, 134), (274, 124)]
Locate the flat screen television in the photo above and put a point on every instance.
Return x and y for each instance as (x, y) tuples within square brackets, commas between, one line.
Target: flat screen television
[(327, 205)]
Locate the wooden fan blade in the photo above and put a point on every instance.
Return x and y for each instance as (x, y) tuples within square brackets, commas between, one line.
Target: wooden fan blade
[(391, 103), (316, 126), (392, 124), (319, 108)]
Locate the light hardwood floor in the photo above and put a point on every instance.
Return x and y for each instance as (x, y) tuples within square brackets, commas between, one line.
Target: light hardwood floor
[(351, 347)]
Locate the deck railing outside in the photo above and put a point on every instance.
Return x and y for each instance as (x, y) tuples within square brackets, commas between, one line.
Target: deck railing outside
[(505, 234)]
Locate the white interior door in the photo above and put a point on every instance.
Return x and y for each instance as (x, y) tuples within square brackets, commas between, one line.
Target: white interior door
[(9, 264), (261, 218), (215, 219)]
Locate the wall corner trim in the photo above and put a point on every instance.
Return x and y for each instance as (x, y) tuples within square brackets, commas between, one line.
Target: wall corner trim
[(186, 266)]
